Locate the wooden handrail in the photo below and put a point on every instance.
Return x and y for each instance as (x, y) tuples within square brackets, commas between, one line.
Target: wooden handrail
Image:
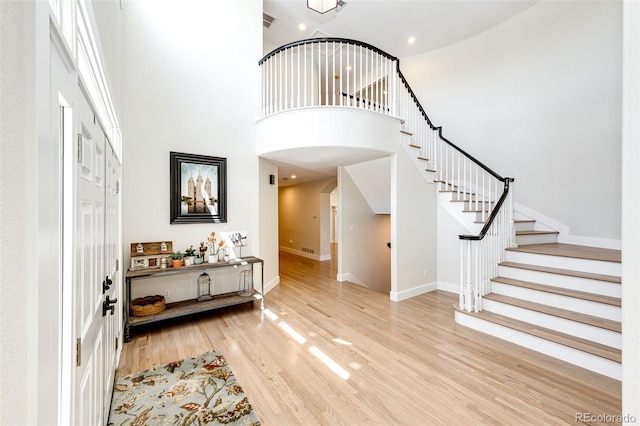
[(492, 216), (323, 40)]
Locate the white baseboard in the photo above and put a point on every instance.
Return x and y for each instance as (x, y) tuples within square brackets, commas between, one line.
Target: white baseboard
[(351, 278), (305, 254), (271, 284), (398, 296)]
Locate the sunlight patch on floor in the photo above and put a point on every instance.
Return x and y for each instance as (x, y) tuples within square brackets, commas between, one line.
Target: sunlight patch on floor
[(341, 372)]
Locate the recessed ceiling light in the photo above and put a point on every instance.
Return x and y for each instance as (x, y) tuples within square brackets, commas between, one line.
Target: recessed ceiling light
[(293, 176), (302, 26), (411, 40)]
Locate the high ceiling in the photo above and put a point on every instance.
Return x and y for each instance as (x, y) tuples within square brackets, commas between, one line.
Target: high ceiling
[(386, 24)]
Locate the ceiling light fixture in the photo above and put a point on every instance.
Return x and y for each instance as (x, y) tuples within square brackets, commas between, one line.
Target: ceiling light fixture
[(411, 40), (302, 26), (322, 6)]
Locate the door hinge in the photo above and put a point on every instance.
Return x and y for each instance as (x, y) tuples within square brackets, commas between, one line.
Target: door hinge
[(78, 352), (117, 265), (79, 147), (117, 343)]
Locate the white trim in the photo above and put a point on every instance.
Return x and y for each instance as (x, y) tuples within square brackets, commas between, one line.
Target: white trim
[(321, 258), (271, 284), (351, 278), (93, 77), (412, 292), (55, 33), (565, 353)]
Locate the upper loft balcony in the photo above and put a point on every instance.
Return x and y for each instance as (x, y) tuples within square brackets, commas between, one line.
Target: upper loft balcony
[(328, 93)]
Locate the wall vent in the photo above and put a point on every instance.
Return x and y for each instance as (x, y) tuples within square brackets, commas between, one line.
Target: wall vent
[(267, 20), (308, 250)]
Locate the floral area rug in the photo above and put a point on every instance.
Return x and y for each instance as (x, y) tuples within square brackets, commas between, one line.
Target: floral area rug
[(194, 391)]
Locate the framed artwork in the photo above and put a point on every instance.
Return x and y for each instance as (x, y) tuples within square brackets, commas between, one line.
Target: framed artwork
[(198, 188)]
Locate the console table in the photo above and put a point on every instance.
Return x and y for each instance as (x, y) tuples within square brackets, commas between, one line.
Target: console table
[(192, 306)]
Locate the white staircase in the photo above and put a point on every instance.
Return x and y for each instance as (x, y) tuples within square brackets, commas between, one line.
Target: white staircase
[(558, 299)]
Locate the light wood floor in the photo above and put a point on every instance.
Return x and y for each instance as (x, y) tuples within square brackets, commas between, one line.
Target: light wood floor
[(408, 363)]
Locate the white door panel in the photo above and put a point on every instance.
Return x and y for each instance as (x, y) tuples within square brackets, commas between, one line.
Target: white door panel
[(97, 242)]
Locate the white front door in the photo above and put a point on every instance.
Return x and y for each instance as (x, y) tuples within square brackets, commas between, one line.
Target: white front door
[(95, 327), (113, 317)]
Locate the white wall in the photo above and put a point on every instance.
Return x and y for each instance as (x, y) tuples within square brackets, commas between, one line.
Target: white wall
[(268, 208), (449, 251), (538, 98), (300, 217), (364, 257), (413, 230), (631, 214), (14, 285), (372, 179), (190, 86)]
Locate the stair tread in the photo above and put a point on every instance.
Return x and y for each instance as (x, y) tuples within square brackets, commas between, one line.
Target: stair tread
[(579, 274), (584, 345), (604, 323), (524, 220), (406, 132), (471, 201), (422, 158), (593, 297), (414, 146), (532, 232), (571, 250)]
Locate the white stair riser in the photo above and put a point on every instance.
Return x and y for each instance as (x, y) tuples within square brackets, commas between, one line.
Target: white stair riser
[(583, 265), (558, 301), (573, 356), (524, 226), (563, 325), (523, 240), (455, 210), (604, 288)]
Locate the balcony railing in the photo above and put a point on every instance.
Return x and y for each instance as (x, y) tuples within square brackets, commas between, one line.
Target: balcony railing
[(335, 72)]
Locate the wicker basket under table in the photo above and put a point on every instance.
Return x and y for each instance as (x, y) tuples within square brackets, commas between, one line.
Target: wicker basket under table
[(147, 305)]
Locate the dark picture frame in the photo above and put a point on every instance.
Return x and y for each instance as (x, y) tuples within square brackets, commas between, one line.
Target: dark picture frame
[(198, 188)]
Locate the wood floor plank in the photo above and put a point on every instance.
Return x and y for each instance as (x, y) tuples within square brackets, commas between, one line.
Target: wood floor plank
[(584, 345), (579, 274), (599, 298), (561, 313), (572, 250), (408, 363)]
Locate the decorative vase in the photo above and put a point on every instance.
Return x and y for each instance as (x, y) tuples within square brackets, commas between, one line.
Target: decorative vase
[(188, 261), (197, 260), (213, 258), (221, 254)]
